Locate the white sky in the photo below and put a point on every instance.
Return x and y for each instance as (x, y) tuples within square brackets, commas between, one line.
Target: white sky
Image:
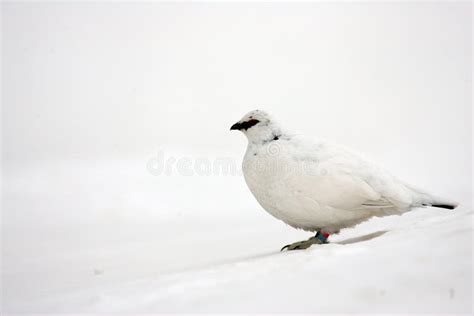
[(99, 80)]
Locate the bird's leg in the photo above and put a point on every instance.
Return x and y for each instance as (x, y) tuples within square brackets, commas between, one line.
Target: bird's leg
[(321, 237)]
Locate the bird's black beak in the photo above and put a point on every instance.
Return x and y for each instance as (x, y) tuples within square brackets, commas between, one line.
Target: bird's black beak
[(237, 126), (244, 125)]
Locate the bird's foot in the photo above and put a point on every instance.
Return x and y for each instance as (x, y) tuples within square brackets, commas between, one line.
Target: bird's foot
[(319, 238)]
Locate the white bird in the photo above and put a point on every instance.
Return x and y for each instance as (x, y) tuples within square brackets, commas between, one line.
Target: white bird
[(317, 186)]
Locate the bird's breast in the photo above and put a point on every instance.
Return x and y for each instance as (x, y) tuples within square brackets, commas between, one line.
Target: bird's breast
[(270, 178)]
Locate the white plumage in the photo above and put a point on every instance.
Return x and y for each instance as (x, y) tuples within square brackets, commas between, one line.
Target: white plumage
[(315, 185)]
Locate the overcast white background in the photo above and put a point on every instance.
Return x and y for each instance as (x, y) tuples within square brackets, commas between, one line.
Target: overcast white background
[(92, 91)]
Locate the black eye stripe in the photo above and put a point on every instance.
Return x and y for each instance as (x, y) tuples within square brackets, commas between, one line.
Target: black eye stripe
[(244, 125), (248, 124)]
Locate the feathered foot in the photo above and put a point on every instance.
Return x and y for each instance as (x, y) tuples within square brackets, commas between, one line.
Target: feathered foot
[(321, 237)]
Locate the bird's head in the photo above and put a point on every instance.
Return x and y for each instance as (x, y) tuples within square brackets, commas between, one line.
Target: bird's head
[(258, 125)]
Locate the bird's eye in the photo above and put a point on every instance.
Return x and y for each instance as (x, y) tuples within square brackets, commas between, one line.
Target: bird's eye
[(251, 117)]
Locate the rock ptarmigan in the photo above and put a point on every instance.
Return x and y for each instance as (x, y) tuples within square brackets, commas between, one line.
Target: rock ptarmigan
[(317, 186)]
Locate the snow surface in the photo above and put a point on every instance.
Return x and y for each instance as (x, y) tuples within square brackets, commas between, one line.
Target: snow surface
[(108, 236)]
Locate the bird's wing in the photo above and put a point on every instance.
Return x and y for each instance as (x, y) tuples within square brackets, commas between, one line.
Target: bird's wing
[(340, 179)]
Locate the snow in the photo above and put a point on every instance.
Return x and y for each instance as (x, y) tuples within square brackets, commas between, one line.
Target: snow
[(108, 236)]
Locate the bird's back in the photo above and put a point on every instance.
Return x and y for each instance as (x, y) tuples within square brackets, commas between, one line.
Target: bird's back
[(312, 185)]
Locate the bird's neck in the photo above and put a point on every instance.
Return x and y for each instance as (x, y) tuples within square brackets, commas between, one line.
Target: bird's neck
[(263, 136)]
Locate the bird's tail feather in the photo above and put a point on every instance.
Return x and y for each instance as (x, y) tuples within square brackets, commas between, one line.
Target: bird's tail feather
[(424, 199), (439, 202), (450, 206)]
